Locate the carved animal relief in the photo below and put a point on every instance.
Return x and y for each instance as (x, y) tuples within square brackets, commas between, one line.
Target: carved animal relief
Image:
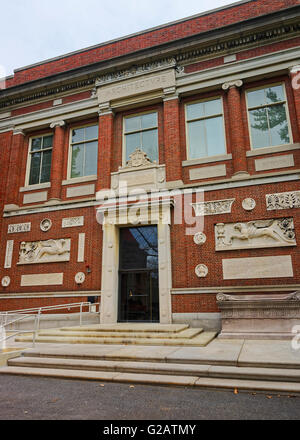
[(48, 251), (255, 234)]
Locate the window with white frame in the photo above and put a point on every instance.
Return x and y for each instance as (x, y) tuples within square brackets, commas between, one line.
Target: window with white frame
[(205, 129), (40, 154), (84, 151), (267, 109), (141, 131)]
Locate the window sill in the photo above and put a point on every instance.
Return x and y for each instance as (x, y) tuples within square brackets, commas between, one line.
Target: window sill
[(269, 150), (35, 187), (79, 180), (219, 158)]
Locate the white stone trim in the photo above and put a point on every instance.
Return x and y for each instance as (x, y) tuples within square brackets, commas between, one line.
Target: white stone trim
[(35, 187), (8, 254), (271, 150), (35, 197), (81, 247), (79, 180), (235, 289), (219, 158)]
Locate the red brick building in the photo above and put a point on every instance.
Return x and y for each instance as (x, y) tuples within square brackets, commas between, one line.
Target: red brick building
[(204, 111)]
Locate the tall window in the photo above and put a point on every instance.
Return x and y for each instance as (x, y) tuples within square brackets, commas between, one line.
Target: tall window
[(40, 159), (205, 129), (268, 117), (141, 132), (84, 151)]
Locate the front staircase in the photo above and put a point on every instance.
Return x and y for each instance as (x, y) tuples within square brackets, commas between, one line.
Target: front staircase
[(127, 334)]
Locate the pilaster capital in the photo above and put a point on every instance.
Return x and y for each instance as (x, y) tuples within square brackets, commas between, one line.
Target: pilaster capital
[(230, 84), (105, 109), (55, 124), (170, 93), (18, 131), (294, 69)]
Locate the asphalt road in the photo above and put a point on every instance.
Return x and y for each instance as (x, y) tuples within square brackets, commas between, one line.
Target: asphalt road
[(32, 398)]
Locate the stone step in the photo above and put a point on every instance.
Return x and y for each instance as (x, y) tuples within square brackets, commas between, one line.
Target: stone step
[(158, 379), (130, 327), (66, 332), (163, 368), (201, 340)]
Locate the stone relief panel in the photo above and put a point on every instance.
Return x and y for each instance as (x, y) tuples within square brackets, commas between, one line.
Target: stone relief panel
[(49, 251), (213, 207), (286, 200), (71, 222), (255, 234), (20, 227)]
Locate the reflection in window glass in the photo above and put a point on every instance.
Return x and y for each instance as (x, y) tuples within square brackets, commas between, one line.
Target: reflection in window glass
[(40, 159), (268, 117), (141, 132), (205, 128), (84, 150)]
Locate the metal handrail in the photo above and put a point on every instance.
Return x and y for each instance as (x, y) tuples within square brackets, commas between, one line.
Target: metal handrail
[(36, 312)]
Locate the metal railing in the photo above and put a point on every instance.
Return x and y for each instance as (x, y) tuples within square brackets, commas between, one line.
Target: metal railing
[(36, 313)]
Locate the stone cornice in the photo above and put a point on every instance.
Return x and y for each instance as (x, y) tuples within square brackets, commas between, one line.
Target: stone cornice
[(237, 42)]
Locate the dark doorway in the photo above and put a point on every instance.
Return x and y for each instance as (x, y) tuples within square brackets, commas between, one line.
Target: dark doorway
[(138, 275)]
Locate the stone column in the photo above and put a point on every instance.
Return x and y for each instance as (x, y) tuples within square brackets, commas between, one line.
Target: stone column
[(12, 188), (295, 80), (165, 273), (57, 160), (110, 274), (105, 145), (236, 128), (172, 136)]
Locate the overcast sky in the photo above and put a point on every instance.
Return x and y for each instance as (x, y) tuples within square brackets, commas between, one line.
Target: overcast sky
[(35, 30)]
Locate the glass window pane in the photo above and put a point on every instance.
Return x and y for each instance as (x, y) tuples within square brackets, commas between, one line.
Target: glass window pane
[(47, 141), (215, 136), (213, 107), (149, 120), (275, 94), (77, 160), (259, 128), (256, 98), (278, 125), (197, 140), (132, 124), (133, 141), (150, 144), (78, 135), (195, 111), (91, 132), (91, 154), (34, 177), (36, 144), (46, 166)]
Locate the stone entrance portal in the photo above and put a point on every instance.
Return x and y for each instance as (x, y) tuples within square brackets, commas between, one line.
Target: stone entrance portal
[(136, 275)]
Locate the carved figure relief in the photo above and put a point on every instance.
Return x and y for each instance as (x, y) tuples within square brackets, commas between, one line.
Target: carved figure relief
[(255, 234), (44, 251)]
